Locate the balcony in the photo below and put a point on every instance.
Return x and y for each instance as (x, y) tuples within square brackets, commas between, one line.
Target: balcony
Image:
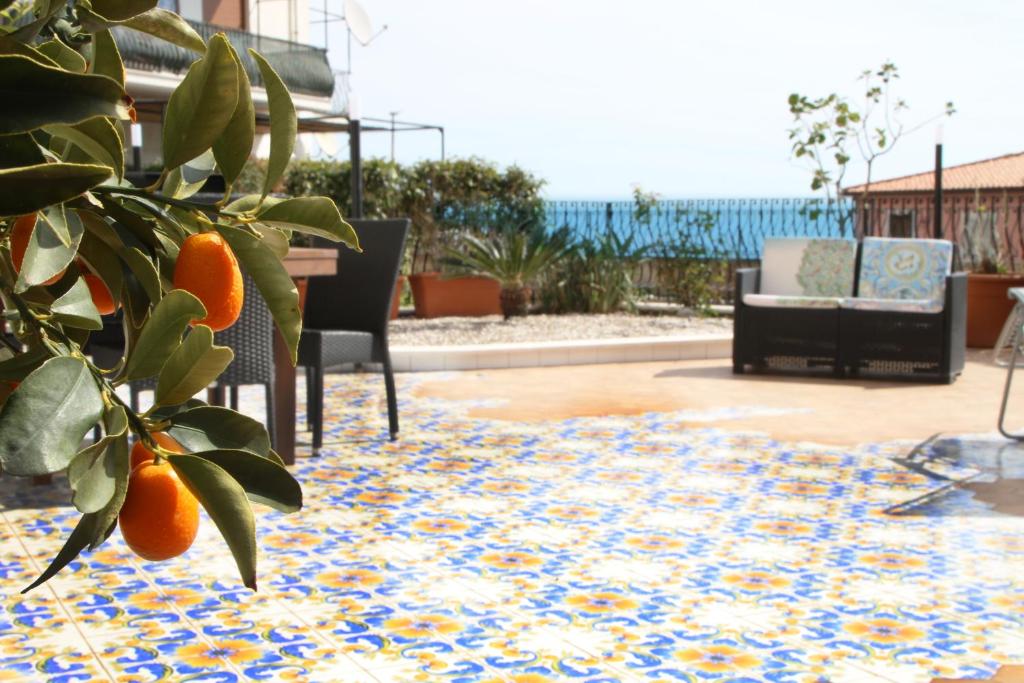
[(303, 68)]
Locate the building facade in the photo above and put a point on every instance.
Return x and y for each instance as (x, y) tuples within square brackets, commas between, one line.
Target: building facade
[(278, 29), (980, 200)]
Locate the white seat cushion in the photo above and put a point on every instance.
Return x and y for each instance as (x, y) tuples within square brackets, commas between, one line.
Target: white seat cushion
[(893, 305), (790, 301)]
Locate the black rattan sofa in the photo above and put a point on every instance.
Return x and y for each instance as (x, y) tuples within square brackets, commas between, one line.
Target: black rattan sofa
[(906, 321)]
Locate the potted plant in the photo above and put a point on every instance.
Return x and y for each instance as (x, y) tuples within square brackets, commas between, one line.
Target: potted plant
[(987, 280), (513, 259)]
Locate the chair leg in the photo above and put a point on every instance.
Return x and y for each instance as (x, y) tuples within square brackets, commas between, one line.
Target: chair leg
[(318, 409), (389, 385), (268, 397), (310, 400), (234, 397)]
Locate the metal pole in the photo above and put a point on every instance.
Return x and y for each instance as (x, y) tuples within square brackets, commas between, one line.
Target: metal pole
[(938, 191), (442, 143), (393, 136), (354, 133)]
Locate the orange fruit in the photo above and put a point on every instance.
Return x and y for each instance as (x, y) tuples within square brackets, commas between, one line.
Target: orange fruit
[(101, 298), (160, 516), (141, 454), (208, 269), (21, 233)]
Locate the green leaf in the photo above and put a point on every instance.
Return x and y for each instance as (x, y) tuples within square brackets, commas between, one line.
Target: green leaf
[(86, 529), (45, 419), (23, 364), (162, 333), (264, 481), (313, 215), (19, 150), (193, 366), (103, 262), (106, 60), (202, 105), (98, 137), (118, 454), (92, 473), (284, 125), (276, 240), (233, 148), (35, 95), (168, 26), (30, 188), (120, 10), (275, 284), (224, 499), (251, 202), (63, 55), (10, 46), (208, 428), (187, 179), (51, 248), (76, 309), (144, 271)]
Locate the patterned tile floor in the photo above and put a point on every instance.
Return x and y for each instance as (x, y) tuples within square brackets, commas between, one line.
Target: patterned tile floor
[(601, 549)]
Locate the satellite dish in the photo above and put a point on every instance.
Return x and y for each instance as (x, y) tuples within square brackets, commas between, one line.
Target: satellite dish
[(358, 22)]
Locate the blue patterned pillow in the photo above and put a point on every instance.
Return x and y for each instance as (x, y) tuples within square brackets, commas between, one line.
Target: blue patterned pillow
[(904, 268)]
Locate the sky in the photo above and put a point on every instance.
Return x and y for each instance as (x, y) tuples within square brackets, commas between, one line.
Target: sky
[(683, 98)]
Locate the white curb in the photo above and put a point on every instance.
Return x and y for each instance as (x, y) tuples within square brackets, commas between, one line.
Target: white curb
[(538, 354)]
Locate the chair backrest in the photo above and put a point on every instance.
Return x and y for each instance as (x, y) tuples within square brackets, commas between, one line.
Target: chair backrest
[(359, 296), (252, 340), (896, 268), (797, 266)]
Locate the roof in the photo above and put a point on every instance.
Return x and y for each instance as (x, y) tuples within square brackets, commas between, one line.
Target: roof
[(1000, 173)]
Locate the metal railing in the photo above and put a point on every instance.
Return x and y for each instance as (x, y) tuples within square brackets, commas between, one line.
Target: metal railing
[(304, 68)]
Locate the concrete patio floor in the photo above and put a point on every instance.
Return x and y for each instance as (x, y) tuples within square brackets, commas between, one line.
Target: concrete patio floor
[(651, 522), (820, 409)]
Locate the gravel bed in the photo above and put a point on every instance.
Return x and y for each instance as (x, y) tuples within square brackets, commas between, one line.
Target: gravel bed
[(537, 328)]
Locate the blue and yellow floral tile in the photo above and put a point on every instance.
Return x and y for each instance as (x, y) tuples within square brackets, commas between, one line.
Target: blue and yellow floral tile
[(659, 547)]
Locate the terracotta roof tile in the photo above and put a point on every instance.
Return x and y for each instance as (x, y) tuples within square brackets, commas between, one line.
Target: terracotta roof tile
[(989, 174)]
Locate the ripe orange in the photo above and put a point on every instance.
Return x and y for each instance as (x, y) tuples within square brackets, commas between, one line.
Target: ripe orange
[(101, 298), (21, 233), (208, 269), (142, 454), (160, 516)]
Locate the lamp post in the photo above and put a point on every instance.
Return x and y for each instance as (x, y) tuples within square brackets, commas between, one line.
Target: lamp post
[(938, 182), (355, 156)]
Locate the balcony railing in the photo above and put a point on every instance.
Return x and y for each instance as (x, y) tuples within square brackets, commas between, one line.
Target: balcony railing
[(304, 68)]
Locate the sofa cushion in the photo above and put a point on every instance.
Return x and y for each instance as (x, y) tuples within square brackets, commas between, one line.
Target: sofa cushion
[(808, 267), (893, 305), (904, 269), (786, 301)]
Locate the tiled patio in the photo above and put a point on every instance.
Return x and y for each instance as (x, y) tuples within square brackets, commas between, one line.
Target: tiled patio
[(666, 542)]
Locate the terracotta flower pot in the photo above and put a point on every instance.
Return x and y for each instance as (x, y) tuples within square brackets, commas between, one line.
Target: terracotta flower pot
[(435, 297), (396, 302), (988, 306)]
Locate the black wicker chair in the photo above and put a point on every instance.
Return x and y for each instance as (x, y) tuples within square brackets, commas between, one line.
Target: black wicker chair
[(786, 314), (907, 338), (251, 338), (346, 315)]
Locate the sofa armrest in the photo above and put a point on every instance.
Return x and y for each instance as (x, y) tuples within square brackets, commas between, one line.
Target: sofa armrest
[(748, 281), (955, 322)]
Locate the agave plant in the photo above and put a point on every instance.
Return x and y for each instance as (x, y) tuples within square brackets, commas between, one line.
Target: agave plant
[(515, 258)]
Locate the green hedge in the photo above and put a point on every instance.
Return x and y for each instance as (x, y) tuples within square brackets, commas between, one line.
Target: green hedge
[(441, 197)]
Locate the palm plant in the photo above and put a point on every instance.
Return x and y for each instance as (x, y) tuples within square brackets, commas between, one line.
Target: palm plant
[(515, 258)]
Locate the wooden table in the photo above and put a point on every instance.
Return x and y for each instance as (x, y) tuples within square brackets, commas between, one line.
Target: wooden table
[(301, 262)]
